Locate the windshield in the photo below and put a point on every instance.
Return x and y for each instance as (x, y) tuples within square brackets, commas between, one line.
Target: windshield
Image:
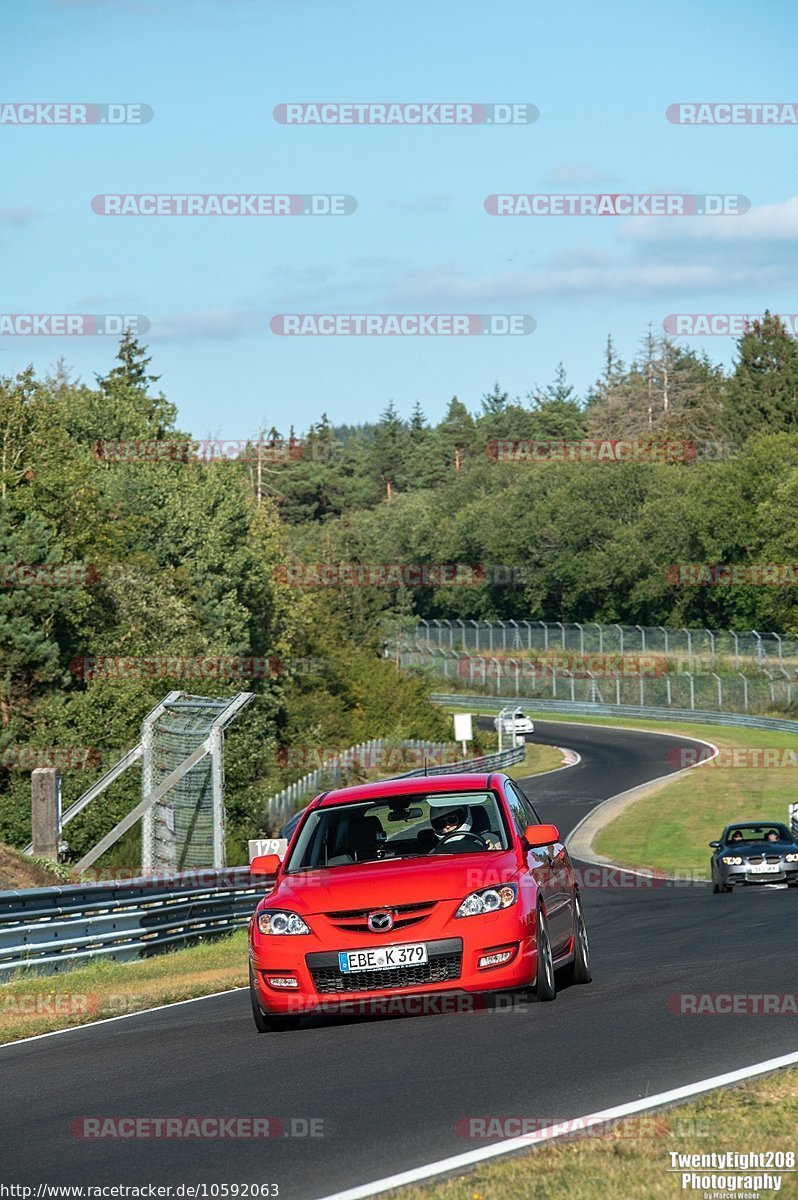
[(400, 827), (769, 832)]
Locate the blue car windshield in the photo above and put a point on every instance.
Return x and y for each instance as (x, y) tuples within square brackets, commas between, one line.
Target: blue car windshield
[(767, 832)]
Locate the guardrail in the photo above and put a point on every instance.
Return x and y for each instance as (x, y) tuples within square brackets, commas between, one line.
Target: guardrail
[(578, 708), (48, 929), (487, 762)]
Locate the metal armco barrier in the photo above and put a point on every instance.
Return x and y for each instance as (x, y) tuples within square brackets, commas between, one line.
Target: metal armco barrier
[(695, 716), (488, 762), (54, 928)]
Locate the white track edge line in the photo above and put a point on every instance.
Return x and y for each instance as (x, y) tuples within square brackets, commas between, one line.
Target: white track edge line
[(445, 1165), (35, 1037)]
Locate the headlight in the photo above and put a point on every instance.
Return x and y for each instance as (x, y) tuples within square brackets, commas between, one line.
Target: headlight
[(281, 922), (489, 900), (732, 860), (791, 857)]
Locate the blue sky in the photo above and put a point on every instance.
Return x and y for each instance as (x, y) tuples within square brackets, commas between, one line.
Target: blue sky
[(420, 241)]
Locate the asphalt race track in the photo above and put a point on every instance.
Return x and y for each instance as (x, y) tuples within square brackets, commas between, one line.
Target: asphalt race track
[(390, 1091)]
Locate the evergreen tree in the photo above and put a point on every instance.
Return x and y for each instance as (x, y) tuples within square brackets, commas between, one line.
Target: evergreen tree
[(762, 394)]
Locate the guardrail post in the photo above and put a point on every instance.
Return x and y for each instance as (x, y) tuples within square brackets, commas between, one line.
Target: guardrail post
[(45, 811)]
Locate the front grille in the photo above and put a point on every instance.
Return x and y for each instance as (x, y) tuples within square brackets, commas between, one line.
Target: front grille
[(356, 920), (756, 861), (445, 963)]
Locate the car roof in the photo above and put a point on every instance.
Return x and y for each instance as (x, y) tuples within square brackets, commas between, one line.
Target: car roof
[(418, 785)]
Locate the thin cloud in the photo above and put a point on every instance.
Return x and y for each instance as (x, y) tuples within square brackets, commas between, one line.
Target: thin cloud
[(767, 223), (18, 218), (565, 174)]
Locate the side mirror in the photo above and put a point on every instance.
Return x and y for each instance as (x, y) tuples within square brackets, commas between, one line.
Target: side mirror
[(541, 835), (716, 845), (265, 864)]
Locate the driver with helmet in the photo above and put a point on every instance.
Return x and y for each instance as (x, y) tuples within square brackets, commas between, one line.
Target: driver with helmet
[(454, 821)]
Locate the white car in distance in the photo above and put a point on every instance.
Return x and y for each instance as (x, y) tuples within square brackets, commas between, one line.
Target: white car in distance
[(514, 723)]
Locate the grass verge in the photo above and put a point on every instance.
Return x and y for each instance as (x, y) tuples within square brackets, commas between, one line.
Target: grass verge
[(31, 1004), (536, 760), (633, 1159)]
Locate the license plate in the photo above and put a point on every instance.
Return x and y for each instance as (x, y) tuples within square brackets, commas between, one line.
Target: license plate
[(765, 869), (382, 958)]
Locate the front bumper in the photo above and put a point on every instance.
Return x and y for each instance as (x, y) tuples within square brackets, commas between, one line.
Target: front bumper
[(453, 966), (742, 876)]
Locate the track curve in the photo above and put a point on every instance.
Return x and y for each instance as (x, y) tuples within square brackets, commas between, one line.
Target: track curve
[(391, 1091)]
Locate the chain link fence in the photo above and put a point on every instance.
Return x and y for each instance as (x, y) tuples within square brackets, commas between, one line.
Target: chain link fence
[(740, 650), (348, 765), (516, 676), (186, 826)]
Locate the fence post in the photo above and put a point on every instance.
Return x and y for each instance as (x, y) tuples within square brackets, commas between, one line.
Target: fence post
[(745, 690), (45, 811), (217, 794)]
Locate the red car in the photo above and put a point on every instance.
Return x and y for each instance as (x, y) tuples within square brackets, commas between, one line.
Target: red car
[(414, 887)]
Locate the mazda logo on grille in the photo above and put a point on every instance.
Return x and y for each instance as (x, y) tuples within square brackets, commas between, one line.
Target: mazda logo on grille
[(380, 922)]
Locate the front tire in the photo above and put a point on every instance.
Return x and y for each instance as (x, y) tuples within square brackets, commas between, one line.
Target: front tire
[(545, 986), (578, 971), (265, 1024)]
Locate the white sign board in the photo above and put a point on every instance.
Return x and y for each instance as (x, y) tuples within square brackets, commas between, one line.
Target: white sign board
[(258, 846), (463, 731)]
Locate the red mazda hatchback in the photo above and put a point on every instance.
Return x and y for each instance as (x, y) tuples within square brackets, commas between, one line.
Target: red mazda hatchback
[(414, 888)]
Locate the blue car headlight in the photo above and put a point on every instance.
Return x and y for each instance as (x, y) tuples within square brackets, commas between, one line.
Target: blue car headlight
[(732, 860), (277, 921), (488, 900)]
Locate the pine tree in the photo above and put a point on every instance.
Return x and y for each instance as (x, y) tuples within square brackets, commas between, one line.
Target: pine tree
[(763, 391), (556, 411)]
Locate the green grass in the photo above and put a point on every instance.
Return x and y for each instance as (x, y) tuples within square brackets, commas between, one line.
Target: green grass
[(536, 760), (40, 1003), (632, 1160)]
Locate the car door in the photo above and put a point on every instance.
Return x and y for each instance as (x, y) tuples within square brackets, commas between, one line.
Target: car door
[(557, 876)]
